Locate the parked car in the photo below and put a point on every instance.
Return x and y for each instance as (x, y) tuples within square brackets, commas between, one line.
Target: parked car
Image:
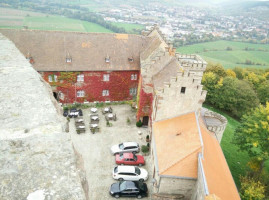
[(73, 113), (65, 114), (125, 147), (80, 112), (129, 189), (129, 159), (130, 173)]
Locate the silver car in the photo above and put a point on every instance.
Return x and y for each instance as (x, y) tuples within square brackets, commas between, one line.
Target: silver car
[(125, 147)]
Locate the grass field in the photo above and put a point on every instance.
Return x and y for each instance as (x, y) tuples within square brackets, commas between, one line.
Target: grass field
[(216, 52), (11, 18), (236, 159), (128, 27)]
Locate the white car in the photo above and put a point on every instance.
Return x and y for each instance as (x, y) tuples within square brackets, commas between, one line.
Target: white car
[(130, 173), (125, 147)]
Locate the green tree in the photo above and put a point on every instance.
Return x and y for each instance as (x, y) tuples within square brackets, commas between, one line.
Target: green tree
[(263, 92), (216, 68), (251, 189), (252, 135)]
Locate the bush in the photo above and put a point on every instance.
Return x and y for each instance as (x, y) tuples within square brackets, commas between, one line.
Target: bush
[(139, 123), (145, 149)]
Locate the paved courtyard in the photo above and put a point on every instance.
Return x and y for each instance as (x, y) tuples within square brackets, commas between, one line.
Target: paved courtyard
[(95, 149)]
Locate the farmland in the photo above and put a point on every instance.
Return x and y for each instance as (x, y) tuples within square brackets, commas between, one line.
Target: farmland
[(128, 27), (231, 54), (11, 18)]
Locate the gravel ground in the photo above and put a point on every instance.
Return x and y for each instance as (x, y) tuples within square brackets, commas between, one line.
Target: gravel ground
[(95, 149)]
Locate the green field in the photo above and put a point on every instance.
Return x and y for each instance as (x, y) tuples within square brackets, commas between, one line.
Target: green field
[(11, 18), (216, 52), (236, 159), (128, 27), (62, 24)]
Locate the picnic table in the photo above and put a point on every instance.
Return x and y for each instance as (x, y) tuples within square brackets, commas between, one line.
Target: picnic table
[(111, 116), (107, 110)]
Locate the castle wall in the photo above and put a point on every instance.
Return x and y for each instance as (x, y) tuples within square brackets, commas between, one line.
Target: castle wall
[(181, 95), (119, 85)]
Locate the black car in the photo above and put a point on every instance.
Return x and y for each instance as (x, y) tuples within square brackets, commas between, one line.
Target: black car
[(73, 113), (65, 114), (129, 189)]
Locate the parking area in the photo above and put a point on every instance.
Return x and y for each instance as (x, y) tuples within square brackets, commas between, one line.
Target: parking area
[(95, 148)]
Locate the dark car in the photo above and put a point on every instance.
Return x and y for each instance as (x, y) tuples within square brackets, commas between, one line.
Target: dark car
[(129, 189), (80, 112), (65, 114), (73, 113)]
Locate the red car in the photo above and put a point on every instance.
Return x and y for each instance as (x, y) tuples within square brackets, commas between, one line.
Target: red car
[(129, 159)]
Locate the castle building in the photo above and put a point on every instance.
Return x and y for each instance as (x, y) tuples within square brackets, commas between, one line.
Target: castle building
[(186, 157)]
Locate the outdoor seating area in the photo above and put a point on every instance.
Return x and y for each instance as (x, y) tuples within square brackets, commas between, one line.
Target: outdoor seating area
[(95, 116), (80, 125)]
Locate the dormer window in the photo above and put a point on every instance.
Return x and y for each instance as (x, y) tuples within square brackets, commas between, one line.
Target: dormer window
[(68, 60), (107, 59), (131, 59)]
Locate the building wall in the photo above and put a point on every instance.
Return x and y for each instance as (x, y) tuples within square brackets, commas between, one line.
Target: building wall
[(169, 185), (119, 85), (199, 190), (164, 104)]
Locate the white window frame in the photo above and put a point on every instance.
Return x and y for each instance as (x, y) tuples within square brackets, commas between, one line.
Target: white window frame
[(134, 77), (68, 60), (106, 77), (61, 95), (80, 78), (55, 78), (50, 78), (80, 93), (133, 91), (105, 93)]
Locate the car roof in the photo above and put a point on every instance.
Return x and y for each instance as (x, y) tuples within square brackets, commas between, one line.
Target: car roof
[(128, 155), (127, 144), (130, 185), (126, 169)]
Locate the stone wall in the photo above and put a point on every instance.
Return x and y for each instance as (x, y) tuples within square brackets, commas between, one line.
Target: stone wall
[(215, 123), (174, 185), (37, 158), (171, 101)]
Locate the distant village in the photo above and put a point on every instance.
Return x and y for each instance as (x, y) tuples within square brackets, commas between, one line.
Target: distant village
[(191, 24)]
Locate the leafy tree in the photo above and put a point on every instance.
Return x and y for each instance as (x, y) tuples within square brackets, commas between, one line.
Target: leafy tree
[(210, 80), (251, 189), (216, 68), (231, 73), (252, 135), (254, 79), (263, 92), (240, 72)]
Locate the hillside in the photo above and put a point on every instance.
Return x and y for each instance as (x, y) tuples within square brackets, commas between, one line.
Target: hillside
[(11, 18), (237, 55)]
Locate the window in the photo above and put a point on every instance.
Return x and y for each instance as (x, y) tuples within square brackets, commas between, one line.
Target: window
[(61, 95), (80, 93), (68, 60), (133, 91), (107, 59), (106, 77), (80, 78), (130, 59), (105, 93), (183, 90), (50, 78), (134, 77)]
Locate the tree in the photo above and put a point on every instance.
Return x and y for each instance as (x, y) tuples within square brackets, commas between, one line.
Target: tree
[(251, 189), (263, 92), (210, 80), (231, 73), (252, 135), (216, 68)]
